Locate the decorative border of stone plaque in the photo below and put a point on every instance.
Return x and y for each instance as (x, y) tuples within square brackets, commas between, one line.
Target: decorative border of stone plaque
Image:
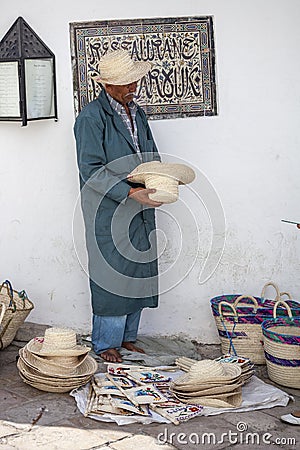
[(182, 81)]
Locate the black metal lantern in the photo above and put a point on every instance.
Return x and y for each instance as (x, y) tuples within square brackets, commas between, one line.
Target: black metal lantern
[(27, 76)]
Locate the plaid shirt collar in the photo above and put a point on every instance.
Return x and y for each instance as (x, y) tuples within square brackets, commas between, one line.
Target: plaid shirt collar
[(116, 106), (120, 108)]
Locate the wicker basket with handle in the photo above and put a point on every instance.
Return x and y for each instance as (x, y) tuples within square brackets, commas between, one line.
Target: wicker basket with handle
[(282, 348), (239, 318), (15, 307)]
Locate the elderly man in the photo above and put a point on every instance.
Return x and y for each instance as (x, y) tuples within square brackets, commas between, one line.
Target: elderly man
[(112, 138)]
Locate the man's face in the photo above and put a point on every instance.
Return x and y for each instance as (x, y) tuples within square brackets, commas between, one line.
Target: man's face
[(122, 94)]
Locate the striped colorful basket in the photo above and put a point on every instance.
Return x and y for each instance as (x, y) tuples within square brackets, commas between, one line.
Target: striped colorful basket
[(239, 319), (282, 348)]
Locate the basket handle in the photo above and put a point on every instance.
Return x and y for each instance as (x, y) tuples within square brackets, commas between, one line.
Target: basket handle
[(23, 296), (3, 309), (287, 294), (282, 302), (270, 283), (237, 301), (231, 306), (7, 284)]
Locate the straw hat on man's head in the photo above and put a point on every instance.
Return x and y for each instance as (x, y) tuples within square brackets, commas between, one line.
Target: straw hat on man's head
[(118, 68)]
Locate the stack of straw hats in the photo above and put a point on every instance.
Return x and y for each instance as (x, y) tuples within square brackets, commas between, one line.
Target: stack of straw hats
[(210, 383), (245, 364), (55, 363)]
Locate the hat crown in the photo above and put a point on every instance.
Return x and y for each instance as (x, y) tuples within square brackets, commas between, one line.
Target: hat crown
[(59, 339), (118, 68), (214, 368), (114, 64)]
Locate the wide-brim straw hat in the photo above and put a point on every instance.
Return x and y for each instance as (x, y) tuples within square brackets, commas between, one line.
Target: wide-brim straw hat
[(210, 371), (208, 391), (230, 401), (82, 366), (190, 385), (49, 384), (57, 342), (118, 68), (45, 387), (65, 363), (34, 375), (164, 177)]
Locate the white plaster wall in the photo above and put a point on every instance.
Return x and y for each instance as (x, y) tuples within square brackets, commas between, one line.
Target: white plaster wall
[(249, 152)]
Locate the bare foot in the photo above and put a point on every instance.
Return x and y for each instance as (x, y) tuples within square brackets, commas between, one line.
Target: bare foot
[(111, 355), (131, 347)]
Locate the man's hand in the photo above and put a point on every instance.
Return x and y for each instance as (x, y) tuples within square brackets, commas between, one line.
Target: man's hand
[(141, 195)]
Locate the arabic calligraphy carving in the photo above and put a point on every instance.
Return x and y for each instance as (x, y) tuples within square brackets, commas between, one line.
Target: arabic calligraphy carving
[(181, 82)]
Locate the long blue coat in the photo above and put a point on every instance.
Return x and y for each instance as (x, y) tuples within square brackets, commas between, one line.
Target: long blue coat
[(122, 257)]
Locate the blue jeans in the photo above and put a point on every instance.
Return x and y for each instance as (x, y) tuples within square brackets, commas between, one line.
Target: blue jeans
[(111, 331)]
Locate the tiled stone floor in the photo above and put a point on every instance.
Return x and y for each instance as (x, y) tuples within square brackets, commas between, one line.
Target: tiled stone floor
[(62, 426)]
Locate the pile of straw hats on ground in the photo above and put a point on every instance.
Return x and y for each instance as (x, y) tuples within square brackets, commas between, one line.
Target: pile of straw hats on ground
[(55, 363), (245, 364), (210, 383)]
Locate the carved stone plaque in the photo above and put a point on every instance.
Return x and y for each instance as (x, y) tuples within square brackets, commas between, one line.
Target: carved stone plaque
[(181, 82)]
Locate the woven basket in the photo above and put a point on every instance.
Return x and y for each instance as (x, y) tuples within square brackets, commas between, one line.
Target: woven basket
[(282, 348), (239, 318), (15, 307)]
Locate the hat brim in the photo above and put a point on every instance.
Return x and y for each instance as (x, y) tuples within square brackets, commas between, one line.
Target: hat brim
[(48, 388), (179, 172), (36, 346), (36, 376), (63, 362), (199, 391), (232, 400), (45, 369), (141, 68)]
